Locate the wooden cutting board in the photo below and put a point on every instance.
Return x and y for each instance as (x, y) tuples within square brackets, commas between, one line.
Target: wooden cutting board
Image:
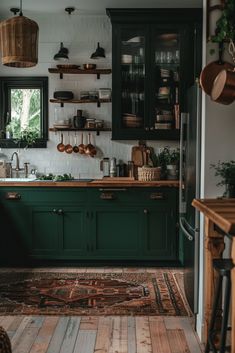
[(137, 156)]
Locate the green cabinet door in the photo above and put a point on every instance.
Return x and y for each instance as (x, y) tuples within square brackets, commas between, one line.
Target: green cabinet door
[(115, 232), (57, 232), (159, 233), (15, 235)]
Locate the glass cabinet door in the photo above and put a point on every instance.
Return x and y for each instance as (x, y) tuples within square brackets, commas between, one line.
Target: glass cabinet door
[(166, 107), (132, 60)]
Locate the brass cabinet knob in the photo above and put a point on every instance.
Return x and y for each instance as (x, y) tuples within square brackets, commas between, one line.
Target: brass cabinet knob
[(147, 128), (152, 128), (54, 210), (145, 211), (60, 212)]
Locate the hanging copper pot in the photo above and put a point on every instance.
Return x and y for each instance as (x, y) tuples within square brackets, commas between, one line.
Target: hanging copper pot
[(19, 42), (223, 90), (211, 70)]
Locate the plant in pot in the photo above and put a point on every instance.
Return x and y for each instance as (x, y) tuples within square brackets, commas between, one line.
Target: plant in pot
[(226, 172), (169, 161)]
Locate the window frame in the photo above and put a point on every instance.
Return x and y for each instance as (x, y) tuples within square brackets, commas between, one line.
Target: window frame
[(9, 82)]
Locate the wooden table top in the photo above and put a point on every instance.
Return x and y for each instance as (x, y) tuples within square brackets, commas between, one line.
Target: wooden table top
[(219, 211)]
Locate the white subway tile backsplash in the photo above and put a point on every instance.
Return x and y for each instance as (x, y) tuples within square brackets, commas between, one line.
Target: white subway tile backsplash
[(80, 34)]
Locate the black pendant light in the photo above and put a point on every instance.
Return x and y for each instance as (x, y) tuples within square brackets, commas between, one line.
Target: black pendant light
[(99, 53), (19, 41), (62, 53)]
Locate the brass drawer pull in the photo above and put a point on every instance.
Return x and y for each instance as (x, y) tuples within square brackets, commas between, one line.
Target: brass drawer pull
[(157, 196), (12, 196), (107, 196), (112, 189)]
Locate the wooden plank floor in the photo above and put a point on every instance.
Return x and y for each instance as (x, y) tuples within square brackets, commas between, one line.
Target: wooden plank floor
[(98, 334), (110, 334)]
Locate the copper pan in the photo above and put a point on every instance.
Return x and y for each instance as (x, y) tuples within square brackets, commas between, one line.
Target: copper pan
[(223, 90), (210, 71)]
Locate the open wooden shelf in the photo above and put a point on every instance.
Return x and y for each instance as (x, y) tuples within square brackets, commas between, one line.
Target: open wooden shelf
[(97, 130), (80, 101), (96, 72)]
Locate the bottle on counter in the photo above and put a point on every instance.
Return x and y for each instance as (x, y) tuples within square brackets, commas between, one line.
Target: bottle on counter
[(104, 167), (113, 167)]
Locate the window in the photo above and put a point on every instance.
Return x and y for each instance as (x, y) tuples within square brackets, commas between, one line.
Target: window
[(24, 111)]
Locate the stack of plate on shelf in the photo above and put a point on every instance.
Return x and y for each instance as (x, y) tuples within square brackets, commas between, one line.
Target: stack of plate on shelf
[(62, 124), (126, 59), (164, 117), (165, 73), (163, 126), (132, 120)]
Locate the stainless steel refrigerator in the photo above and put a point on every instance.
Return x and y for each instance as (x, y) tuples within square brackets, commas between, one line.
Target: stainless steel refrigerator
[(190, 142)]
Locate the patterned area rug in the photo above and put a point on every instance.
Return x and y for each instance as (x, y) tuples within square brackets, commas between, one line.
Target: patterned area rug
[(91, 294)]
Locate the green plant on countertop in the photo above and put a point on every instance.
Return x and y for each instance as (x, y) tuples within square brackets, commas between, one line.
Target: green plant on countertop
[(167, 157), (58, 177), (225, 25), (226, 172)]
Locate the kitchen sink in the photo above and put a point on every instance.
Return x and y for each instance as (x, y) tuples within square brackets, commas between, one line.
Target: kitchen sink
[(16, 179)]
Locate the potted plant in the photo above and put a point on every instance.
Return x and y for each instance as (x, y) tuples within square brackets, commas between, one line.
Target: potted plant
[(226, 172), (169, 161), (225, 28)]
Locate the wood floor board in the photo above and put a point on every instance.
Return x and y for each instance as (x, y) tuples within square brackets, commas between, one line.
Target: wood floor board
[(58, 335), (29, 335), (131, 333), (119, 335), (89, 323), (70, 335), (85, 342), (45, 333), (177, 341), (19, 332), (103, 335), (143, 339), (159, 336), (7, 321)]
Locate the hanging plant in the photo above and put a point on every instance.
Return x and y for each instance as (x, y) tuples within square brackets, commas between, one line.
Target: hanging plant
[(225, 25)]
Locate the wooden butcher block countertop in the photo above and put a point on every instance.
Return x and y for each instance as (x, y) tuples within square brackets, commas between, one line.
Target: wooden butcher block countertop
[(219, 211), (111, 182)]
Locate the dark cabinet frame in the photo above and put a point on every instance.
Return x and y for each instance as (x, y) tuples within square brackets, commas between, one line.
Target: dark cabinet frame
[(186, 22)]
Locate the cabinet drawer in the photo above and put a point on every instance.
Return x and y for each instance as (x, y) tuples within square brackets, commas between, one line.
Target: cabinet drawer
[(36, 195), (132, 195)]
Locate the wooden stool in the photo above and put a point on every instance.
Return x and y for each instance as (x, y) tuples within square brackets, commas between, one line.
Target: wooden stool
[(224, 267)]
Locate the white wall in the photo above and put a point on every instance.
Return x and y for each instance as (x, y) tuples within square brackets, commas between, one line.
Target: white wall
[(80, 35), (218, 143)]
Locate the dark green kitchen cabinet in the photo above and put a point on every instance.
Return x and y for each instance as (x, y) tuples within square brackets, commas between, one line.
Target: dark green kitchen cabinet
[(57, 232), (156, 57), (160, 241), (118, 224), (116, 232)]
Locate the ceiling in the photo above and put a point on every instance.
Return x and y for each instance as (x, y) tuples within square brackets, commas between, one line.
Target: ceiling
[(89, 6)]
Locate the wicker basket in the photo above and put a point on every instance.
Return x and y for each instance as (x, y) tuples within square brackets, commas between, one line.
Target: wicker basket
[(149, 174)]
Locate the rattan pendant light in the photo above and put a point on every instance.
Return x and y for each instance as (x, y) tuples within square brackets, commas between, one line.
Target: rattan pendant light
[(19, 41)]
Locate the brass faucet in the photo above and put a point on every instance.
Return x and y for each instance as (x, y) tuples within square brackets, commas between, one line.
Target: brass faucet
[(17, 167)]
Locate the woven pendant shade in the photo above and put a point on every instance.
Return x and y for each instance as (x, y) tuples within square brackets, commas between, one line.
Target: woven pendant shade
[(19, 42)]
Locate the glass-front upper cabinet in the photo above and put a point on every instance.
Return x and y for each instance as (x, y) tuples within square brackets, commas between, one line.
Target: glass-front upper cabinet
[(167, 81), (155, 58), (132, 53)]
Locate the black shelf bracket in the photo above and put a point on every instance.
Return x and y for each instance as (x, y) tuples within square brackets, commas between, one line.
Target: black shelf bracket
[(61, 75), (62, 105), (98, 104), (98, 76)]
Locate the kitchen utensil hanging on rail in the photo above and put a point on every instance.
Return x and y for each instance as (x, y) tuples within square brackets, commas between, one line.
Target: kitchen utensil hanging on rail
[(223, 90), (61, 146), (211, 70)]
